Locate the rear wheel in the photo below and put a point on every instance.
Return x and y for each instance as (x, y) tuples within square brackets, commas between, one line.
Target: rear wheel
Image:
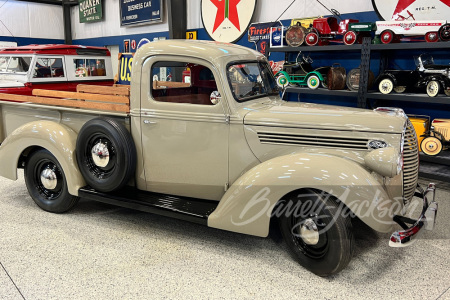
[(431, 146), (433, 88), (46, 182), (317, 232), (447, 92), (387, 36), (313, 82), (386, 86)]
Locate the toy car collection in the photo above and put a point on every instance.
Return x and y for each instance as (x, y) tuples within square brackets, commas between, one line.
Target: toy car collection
[(428, 76)]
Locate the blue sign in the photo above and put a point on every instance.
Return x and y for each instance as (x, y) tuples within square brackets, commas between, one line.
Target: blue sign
[(125, 62), (133, 12)]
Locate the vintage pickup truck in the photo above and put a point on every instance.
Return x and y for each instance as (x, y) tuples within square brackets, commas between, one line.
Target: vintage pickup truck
[(221, 148)]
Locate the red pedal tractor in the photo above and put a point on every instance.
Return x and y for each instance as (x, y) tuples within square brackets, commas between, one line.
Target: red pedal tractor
[(326, 29)]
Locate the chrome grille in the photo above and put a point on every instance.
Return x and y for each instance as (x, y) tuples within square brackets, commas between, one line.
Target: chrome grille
[(410, 162), (313, 140)]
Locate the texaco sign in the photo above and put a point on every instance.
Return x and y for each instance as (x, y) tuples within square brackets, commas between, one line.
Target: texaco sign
[(227, 20), (411, 10)]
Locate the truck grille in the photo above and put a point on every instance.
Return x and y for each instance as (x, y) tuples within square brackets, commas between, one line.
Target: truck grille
[(410, 163), (313, 140)]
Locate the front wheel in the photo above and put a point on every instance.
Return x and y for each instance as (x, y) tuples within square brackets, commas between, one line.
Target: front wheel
[(431, 146), (318, 232), (433, 88), (444, 32), (387, 36), (350, 37), (313, 82), (386, 86), (282, 81), (46, 182)]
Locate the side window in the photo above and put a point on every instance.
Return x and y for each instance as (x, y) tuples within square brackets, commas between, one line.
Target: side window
[(182, 82), (89, 67), (47, 67)]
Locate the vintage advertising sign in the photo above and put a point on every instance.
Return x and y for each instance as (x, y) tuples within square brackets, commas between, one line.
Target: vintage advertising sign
[(227, 20), (410, 10), (90, 10), (134, 12), (125, 63), (259, 33), (191, 35)]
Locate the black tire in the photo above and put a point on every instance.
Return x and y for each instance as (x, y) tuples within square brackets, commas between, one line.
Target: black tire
[(116, 160), (53, 194), (330, 246)]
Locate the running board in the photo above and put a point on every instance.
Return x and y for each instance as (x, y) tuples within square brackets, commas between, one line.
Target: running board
[(188, 209)]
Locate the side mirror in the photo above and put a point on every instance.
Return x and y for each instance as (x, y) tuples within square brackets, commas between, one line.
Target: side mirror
[(215, 97)]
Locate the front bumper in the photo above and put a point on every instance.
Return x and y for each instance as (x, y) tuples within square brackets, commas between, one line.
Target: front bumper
[(427, 219)]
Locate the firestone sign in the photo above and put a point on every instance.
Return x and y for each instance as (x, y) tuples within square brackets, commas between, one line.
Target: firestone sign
[(227, 20), (90, 10)]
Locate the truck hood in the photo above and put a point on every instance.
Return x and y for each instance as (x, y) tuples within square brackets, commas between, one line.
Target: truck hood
[(315, 116)]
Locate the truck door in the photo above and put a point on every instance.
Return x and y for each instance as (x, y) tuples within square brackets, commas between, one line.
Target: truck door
[(184, 134)]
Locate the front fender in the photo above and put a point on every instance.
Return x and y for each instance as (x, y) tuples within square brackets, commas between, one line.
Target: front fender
[(443, 81), (247, 206), (59, 139), (315, 73)]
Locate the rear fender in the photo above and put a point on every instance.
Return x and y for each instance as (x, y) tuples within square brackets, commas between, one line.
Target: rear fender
[(248, 205), (59, 139)]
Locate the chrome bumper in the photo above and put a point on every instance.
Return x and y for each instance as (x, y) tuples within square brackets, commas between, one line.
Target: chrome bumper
[(427, 219)]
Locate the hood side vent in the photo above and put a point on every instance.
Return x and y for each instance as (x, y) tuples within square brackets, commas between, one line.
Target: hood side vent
[(313, 140)]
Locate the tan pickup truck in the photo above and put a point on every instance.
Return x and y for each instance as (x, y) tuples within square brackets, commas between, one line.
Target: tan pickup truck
[(202, 135)]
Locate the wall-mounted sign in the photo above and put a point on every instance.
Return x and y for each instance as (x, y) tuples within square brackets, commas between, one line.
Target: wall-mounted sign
[(134, 12), (411, 10), (125, 63), (227, 20), (259, 33), (90, 10), (191, 35)]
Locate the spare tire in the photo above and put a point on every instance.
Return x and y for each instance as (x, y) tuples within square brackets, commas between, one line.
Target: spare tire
[(106, 154)]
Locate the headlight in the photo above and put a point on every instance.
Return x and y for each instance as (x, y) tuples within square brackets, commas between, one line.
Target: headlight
[(385, 161)]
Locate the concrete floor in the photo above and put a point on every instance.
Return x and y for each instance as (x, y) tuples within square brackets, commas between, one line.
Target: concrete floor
[(99, 251)]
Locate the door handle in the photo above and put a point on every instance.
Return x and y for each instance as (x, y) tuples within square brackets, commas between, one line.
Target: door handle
[(149, 122)]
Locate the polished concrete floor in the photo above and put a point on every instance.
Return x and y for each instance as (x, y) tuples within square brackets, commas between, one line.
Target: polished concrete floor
[(99, 251)]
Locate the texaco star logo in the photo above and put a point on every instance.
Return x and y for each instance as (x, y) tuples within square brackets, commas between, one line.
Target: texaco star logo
[(227, 20), (401, 10)]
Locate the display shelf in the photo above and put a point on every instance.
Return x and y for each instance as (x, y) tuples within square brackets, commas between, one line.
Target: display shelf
[(421, 98), (355, 47), (320, 91), (410, 46)]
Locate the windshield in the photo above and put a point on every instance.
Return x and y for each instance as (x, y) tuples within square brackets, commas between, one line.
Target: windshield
[(425, 59), (251, 80), (14, 64)]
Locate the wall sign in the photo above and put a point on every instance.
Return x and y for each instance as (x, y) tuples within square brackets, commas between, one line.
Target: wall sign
[(227, 20), (191, 35), (134, 12), (411, 10), (125, 63), (90, 10), (259, 33)]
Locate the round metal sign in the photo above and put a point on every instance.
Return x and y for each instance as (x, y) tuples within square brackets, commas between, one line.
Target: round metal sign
[(227, 20), (401, 10)]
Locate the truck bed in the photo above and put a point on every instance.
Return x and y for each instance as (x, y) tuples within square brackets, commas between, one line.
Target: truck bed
[(104, 98)]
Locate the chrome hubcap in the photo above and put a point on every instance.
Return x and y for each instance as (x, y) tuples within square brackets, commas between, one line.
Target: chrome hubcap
[(49, 179), (309, 232), (100, 155)]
